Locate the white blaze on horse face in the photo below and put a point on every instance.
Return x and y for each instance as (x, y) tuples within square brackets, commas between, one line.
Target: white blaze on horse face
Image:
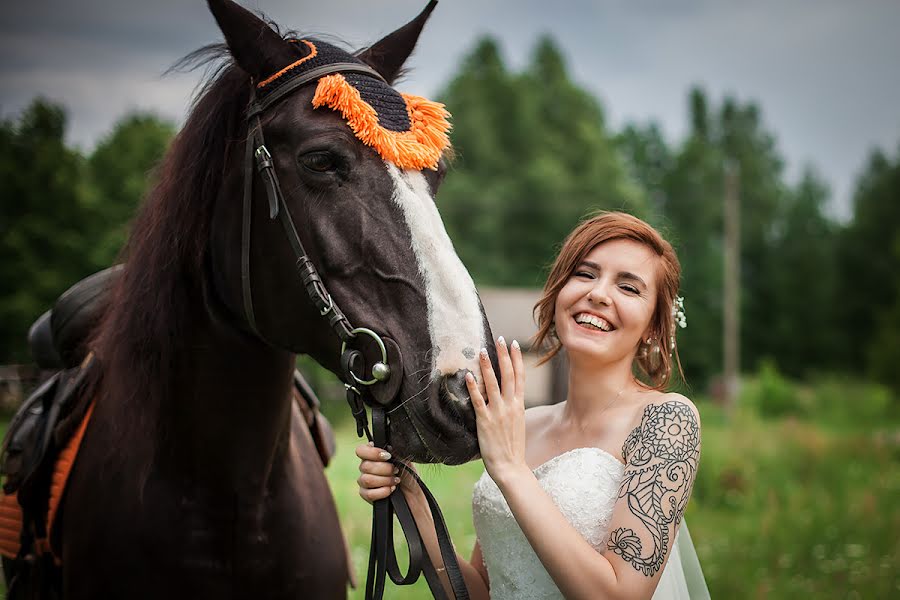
[(454, 312)]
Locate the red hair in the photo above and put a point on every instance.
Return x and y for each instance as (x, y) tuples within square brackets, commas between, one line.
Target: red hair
[(654, 361)]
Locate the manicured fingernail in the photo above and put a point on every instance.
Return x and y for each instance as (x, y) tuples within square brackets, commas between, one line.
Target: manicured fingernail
[(515, 344), (385, 455), (396, 480), (484, 353), (469, 377), (371, 444), (501, 341), (396, 470), (393, 487)]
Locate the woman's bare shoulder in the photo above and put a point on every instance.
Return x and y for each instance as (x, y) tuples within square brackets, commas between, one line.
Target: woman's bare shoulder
[(539, 417), (676, 399), (664, 419), (654, 400), (658, 403), (539, 422)]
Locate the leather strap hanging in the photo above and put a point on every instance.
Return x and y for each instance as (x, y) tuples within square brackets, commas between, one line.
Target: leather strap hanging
[(382, 534)]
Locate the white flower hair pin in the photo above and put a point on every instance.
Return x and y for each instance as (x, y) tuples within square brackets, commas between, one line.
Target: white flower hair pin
[(678, 316), (678, 312)]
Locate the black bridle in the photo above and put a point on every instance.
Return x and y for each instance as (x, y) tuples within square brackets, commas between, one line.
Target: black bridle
[(382, 557)]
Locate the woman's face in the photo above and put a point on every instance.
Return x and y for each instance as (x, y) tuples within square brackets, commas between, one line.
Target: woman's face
[(605, 308)]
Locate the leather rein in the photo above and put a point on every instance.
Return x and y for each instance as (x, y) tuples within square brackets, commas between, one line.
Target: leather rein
[(382, 555)]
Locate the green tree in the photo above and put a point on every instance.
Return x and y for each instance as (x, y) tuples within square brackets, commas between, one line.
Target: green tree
[(42, 220), (120, 169), (692, 205), (883, 352), (743, 139), (533, 157), (648, 160), (486, 129), (869, 264), (64, 217), (802, 318), (785, 236)]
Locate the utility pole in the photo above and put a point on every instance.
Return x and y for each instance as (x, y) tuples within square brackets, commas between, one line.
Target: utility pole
[(732, 277)]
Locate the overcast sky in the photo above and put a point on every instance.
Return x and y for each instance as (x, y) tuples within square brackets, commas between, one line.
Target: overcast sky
[(824, 72)]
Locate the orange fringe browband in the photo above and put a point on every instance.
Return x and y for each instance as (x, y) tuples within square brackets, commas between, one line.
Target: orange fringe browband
[(419, 148)]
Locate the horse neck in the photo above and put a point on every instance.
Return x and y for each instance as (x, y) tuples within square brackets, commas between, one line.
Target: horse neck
[(229, 416)]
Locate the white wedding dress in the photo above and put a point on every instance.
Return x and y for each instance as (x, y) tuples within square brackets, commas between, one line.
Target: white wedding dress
[(584, 484)]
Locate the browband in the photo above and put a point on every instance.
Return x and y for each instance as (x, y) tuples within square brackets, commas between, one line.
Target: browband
[(258, 106)]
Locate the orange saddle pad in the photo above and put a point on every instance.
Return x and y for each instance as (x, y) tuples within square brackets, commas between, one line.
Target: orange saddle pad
[(11, 512), (10, 525)]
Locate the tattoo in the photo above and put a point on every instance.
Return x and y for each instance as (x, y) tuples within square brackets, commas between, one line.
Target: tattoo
[(631, 442), (662, 454)]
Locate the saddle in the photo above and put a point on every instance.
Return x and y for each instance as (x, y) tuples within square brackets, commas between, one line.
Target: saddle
[(43, 438)]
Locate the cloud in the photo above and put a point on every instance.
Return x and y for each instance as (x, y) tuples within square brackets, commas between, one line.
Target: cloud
[(823, 72)]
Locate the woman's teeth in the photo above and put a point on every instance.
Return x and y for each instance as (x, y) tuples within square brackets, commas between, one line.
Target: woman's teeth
[(593, 321)]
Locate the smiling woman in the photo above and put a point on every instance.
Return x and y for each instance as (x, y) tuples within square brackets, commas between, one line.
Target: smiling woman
[(584, 499), (631, 241)]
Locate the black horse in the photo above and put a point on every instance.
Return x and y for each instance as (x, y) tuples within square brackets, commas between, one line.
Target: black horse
[(196, 476)]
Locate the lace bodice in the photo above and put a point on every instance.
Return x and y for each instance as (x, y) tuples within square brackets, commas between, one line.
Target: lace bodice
[(583, 483)]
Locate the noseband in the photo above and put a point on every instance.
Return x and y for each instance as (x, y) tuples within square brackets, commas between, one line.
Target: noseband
[(382, 557)]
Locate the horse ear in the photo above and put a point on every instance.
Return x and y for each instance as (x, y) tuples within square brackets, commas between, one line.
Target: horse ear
[(255, 46), (388, 54)]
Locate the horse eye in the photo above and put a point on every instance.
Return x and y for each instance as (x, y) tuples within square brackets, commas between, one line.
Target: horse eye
[(319, 162)]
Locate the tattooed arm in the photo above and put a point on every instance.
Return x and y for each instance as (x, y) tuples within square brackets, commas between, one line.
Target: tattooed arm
[(662, 455)]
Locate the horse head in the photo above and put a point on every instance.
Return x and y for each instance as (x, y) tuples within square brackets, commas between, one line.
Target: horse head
[(360, 194)]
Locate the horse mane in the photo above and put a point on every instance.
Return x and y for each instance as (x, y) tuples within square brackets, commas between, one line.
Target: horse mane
[(140, 341)]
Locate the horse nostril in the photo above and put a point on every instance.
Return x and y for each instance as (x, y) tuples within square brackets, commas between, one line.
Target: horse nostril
[(458, 394), (456, 386)]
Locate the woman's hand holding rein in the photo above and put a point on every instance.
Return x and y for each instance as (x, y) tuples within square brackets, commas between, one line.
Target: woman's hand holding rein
[(378, 477)]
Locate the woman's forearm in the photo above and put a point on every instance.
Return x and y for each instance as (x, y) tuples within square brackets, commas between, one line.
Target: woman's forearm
[(418, 506)]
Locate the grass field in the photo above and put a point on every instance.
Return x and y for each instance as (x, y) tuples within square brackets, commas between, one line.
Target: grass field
[(452, 486), (782, 508), (799, 503)]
